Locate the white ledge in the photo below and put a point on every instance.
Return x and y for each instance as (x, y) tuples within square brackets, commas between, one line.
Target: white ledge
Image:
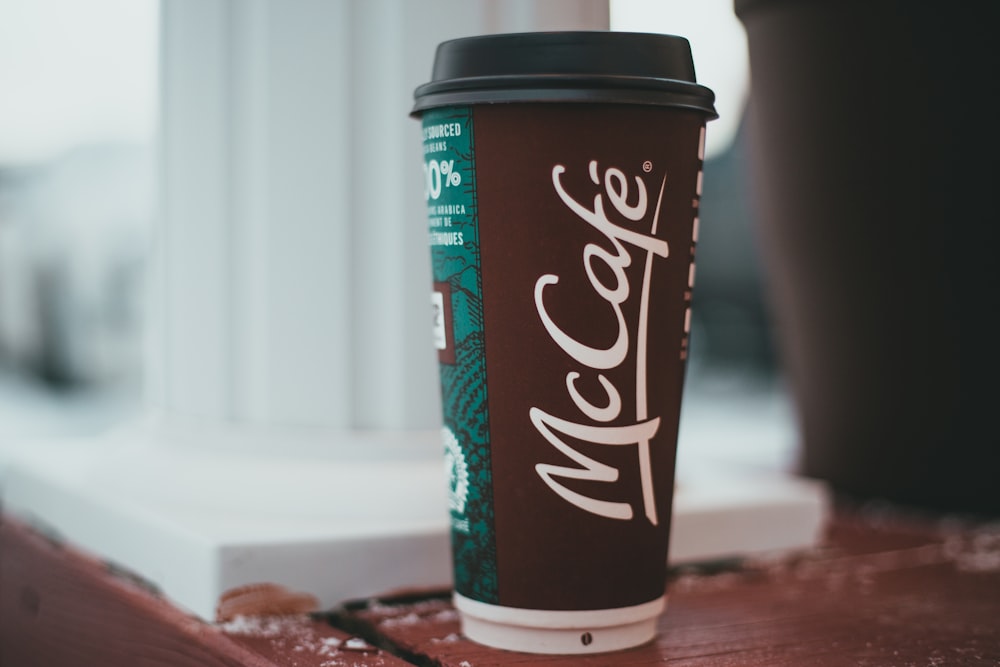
[(196, 511)]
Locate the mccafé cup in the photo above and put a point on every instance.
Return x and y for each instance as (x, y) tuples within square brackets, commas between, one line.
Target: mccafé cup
[(563, 174)]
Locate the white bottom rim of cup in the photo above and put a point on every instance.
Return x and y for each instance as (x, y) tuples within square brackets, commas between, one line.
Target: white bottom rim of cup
[(559, 632)]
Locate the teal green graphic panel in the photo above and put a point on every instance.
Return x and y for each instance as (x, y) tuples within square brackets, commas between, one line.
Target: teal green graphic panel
[(450, 184)]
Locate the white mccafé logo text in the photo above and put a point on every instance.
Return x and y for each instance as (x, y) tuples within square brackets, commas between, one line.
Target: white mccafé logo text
[(616, 255)]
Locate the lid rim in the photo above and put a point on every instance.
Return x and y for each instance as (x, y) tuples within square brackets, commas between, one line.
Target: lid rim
[(595, 81), (666, 99)]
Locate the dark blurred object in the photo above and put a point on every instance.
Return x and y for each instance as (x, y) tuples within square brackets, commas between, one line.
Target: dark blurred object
[(873, 165), (733, 338), (74, 232)]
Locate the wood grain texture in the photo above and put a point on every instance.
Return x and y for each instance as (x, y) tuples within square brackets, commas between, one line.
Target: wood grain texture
[(884, 589), (60, 607), (896, 592)]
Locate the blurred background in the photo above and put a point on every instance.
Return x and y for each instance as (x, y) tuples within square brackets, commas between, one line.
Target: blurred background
[(77, 173), (78, 141)]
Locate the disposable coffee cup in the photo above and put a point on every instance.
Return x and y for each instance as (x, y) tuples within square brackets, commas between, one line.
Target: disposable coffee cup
[(563, 175)]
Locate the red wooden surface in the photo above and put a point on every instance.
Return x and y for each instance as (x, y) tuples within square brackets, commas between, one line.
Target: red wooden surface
[(59, 607), (882, 591), (885, 589)]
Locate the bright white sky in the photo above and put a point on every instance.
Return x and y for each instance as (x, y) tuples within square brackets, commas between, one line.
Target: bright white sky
[(74, 71), (718, 44)]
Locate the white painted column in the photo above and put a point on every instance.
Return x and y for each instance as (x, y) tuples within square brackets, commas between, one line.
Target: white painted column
[(291, 261)]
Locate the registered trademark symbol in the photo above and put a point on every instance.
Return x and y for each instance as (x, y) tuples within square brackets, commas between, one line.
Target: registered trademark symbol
[(647, 166)]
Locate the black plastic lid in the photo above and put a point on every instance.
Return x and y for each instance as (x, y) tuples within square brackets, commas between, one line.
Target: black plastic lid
[(598, 66)]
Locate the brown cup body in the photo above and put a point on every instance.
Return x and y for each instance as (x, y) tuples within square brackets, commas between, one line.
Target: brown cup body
[(585, 290)]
